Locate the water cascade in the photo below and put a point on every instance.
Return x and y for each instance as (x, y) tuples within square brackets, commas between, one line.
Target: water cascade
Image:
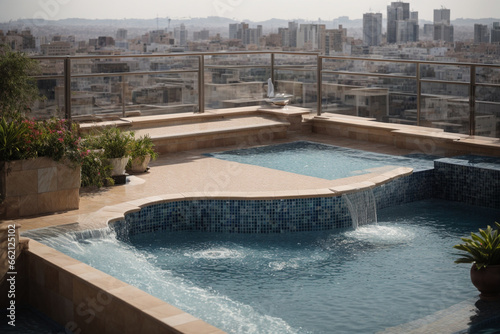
[(362, 207)]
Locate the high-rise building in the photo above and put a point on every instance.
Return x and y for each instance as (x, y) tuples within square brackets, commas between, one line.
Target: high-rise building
[(238, 30), (181, 35), (293, 29), (121, 34), (372, 29), (243, 32), (233, 30), (335, 40), (397, 11), (202, 35), (442, 16), (402, 25), (252, 36), (105, 41), (495, 33), (311, 37), (481, 34), (443, 30), (429, 31)]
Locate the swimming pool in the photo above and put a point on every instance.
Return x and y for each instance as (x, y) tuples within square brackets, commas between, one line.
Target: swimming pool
[(350, 281), (321, 160)]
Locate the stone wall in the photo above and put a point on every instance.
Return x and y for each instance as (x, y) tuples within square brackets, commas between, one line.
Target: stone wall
[(38, 186)]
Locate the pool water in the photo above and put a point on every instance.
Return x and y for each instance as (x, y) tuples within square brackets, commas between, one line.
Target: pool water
[(320, 160), (355, 281)]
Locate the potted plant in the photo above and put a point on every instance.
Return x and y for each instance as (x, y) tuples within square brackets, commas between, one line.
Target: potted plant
[(39, 160), (483, 251), (116, 145), (141, 154)]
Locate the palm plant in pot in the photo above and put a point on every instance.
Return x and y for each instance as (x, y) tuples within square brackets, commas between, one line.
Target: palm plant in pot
[(483, 251), (141, 153)]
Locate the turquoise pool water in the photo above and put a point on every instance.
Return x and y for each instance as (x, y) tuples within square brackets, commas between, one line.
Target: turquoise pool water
[(320, 160), (356, 281)]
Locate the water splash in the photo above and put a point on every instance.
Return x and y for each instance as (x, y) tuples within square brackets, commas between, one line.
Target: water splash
[(216, 253), (378, 234)]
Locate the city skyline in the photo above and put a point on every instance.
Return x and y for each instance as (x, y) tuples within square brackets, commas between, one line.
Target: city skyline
[(256, 10)]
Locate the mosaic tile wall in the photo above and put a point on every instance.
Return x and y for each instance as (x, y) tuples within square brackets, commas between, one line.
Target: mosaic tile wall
[(415, 187), (240, 216), (268, 216), (469, 179)]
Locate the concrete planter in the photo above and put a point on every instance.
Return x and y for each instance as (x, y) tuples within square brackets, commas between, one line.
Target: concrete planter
[(140, 164), (38, 186), (118, 165)]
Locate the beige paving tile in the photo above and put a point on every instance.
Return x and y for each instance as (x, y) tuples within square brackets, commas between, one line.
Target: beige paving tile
[(177, 175)]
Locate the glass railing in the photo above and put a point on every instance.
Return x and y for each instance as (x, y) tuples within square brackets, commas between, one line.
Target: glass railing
[(457, 97)]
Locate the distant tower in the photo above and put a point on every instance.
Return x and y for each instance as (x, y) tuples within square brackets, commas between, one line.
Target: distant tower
[(372, 29), (443, 30), (183, 35), (481, 34), (121, 34), (397, 11), (293, 28), (495, 33)]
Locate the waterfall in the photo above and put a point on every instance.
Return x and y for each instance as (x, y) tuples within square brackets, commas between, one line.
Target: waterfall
[(362, 207), (66, 234)]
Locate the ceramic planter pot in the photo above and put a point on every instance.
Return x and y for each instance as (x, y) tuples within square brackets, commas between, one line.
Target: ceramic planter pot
[(140, 164), (118, 165), (487, 281)]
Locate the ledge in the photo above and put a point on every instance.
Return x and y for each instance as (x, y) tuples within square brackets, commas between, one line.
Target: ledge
[(423, 139), (74, 283)]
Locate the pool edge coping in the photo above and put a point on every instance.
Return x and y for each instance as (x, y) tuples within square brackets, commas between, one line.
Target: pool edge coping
[(153, 312), (110, 214)]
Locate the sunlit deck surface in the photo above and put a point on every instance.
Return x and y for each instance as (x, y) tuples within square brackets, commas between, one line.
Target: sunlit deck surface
[(190, 171)]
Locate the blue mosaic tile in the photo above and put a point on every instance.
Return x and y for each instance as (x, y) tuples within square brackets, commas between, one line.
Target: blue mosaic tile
[(469, 180)]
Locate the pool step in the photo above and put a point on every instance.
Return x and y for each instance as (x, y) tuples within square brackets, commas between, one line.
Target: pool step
[(238, 130)]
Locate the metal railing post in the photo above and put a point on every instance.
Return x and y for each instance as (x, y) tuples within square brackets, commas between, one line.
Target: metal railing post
[(272, 68), (419, 94), (123, 95), (472, 101), (67, 88), (319, 83), (201, 84)]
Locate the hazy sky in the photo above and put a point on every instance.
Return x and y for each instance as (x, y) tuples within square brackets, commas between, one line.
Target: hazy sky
[(255, 10)]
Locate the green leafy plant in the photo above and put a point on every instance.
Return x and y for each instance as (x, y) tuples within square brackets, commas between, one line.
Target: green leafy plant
[(95, 172), (142, 147), (22, 138), (114, 142), (483, 249), (13, 145), (18, 90)]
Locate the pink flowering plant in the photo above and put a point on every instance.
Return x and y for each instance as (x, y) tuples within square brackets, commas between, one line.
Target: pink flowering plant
[(24, 138), (57, 139)]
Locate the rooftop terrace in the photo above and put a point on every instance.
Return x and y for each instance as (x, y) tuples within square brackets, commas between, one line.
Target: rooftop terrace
[(183, 130)]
